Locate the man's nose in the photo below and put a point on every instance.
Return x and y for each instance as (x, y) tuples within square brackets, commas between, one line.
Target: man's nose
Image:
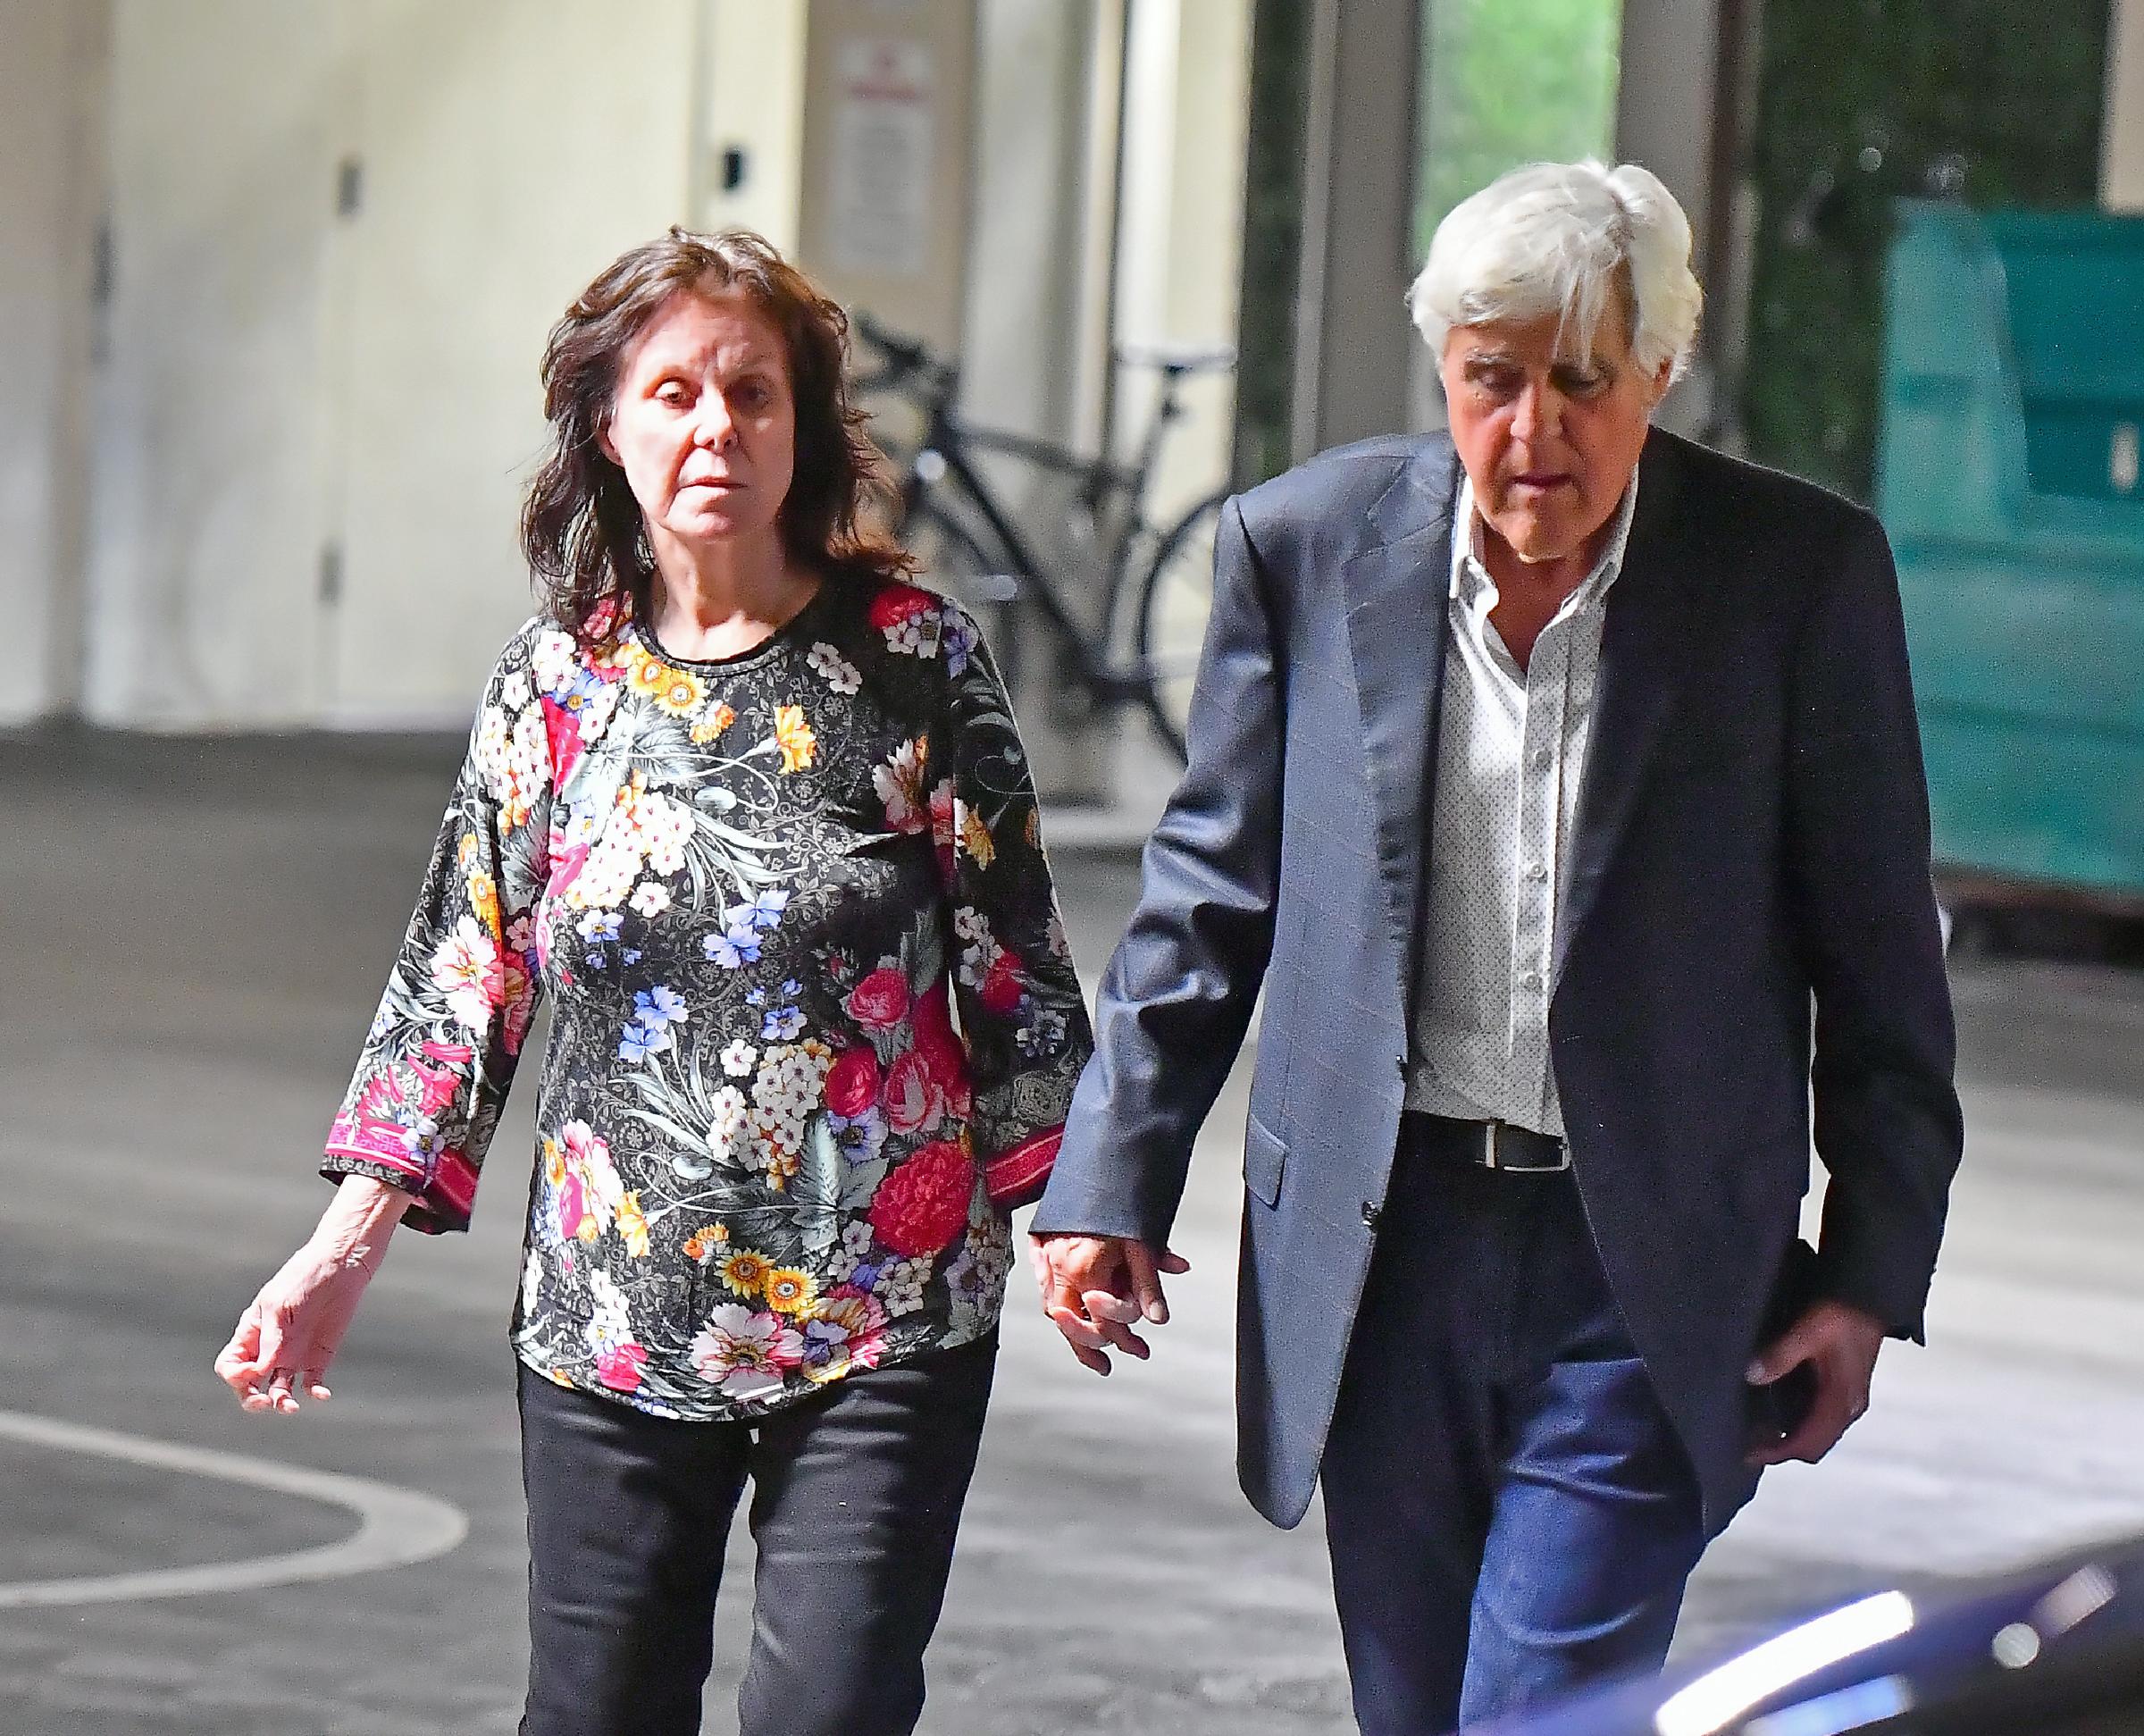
[(1538, 413)]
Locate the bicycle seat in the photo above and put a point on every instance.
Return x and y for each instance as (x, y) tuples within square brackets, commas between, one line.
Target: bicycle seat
[(1178, 358)]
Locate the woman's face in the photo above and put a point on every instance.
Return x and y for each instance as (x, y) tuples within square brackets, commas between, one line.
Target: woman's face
[(704, 425)]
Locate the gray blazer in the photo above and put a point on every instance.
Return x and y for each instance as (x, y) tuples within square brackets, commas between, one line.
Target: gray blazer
[(1752, 841)]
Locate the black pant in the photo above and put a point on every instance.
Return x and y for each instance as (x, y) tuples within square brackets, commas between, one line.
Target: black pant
[(856, 1496)]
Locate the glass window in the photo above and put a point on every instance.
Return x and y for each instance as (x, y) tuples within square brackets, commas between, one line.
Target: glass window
[(1505, 82)]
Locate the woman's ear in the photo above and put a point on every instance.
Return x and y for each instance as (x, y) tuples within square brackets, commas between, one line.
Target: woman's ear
[(605, 445)]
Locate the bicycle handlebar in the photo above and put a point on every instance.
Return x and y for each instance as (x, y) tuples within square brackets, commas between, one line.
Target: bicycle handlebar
[(909, 355)]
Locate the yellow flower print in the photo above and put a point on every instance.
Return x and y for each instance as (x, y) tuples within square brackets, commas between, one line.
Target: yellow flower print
[(632, 1225), (553, 1163), (680, 693), (744, 1271), (791, 1291), (711, 725), (465, 852), (800, 746), (975, 837), (648, 674), (701, 1244), (483, 899)]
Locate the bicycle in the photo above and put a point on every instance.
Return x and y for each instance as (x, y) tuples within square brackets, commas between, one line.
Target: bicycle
[(971, 544)]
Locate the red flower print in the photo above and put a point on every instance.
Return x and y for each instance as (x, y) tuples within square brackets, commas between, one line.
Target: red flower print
[(912, 1097), (881, 1000), (852, 1082), (573, 1206), (901, 602), (619, 1367), (923, 1204), (562, 729), (942, 1052), (1000, 989)]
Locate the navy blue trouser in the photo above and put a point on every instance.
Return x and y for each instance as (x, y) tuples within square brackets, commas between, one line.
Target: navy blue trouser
[(1509, 1512), (856, 1494)]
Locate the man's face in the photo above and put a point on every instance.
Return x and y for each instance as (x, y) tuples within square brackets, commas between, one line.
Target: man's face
[(1549, 440)]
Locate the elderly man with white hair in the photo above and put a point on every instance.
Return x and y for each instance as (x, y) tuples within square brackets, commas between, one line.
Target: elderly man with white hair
[(1557, 779)]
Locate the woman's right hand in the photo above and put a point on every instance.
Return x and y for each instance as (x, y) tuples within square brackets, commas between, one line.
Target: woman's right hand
[(289, 1332)]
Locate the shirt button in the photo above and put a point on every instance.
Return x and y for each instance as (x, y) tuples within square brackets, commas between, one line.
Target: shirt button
[(1540, 759), (1370, 1214), (1535, 872), (1532, 979)]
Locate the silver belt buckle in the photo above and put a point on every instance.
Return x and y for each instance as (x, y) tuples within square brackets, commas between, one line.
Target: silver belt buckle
[(1493, 1158)]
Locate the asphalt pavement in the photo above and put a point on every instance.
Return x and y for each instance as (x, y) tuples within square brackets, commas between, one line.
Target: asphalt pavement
[(192, 935)]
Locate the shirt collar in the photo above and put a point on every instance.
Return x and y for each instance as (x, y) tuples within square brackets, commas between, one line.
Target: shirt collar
[(1466, 550)]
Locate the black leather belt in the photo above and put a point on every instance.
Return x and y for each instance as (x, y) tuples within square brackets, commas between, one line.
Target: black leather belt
[(1489, 1145)]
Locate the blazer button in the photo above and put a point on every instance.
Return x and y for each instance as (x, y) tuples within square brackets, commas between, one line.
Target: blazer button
[(1370, 1214)]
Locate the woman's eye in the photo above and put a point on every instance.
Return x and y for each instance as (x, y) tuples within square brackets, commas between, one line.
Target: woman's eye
[(672, 394)]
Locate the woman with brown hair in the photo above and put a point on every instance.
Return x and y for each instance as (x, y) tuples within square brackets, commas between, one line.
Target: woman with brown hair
[(751, 808)]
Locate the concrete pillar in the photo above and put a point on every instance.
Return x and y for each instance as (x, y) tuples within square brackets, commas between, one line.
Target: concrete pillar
[(1683, 101), (51, 78), (1354, 347), (2121, 151)]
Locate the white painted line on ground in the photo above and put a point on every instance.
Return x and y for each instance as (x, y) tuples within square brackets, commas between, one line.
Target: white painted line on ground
[(397, 1526)]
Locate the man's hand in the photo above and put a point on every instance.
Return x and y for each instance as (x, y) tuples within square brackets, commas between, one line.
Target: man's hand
[(1094, 1287), (1839, 1342)]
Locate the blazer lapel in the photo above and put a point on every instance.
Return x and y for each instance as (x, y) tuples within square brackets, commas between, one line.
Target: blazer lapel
[(1645, 645), (1395, 591)]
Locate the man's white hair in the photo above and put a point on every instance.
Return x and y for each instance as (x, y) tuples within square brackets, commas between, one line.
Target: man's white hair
[(1576, 239)]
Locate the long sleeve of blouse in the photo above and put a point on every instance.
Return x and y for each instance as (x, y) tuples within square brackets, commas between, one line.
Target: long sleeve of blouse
[(816, 1025)]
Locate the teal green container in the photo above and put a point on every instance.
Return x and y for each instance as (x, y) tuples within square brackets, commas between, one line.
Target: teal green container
[(2008, 478)]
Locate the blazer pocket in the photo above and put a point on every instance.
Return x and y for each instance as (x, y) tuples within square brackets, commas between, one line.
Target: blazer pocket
[(1264, 1158)]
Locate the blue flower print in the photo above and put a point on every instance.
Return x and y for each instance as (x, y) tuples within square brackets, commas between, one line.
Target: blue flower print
[(734, 950), (631, 955), (956, 640), (599, 925), (781, 1024), (792, 988), (766, 911), (659, 1008), (638, 1043), (756, 998)]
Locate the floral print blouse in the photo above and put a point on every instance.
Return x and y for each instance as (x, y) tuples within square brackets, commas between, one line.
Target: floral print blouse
[(815, 1024)]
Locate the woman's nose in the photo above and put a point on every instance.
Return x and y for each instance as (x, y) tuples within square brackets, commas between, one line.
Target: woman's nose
[(717, 428)]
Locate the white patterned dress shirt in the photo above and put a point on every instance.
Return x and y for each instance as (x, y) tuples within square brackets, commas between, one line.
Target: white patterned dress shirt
[(1510, 754)]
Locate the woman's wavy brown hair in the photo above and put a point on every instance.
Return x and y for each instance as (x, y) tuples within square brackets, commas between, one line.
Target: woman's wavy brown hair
[(580, 527)]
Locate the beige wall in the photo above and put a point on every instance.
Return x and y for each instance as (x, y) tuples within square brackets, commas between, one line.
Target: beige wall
[(207, 525), (512, 150), (287, 382), (50, 81), (752, 99)]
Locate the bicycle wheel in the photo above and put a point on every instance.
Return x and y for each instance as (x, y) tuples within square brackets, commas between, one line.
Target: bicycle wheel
[(1174, 599)]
